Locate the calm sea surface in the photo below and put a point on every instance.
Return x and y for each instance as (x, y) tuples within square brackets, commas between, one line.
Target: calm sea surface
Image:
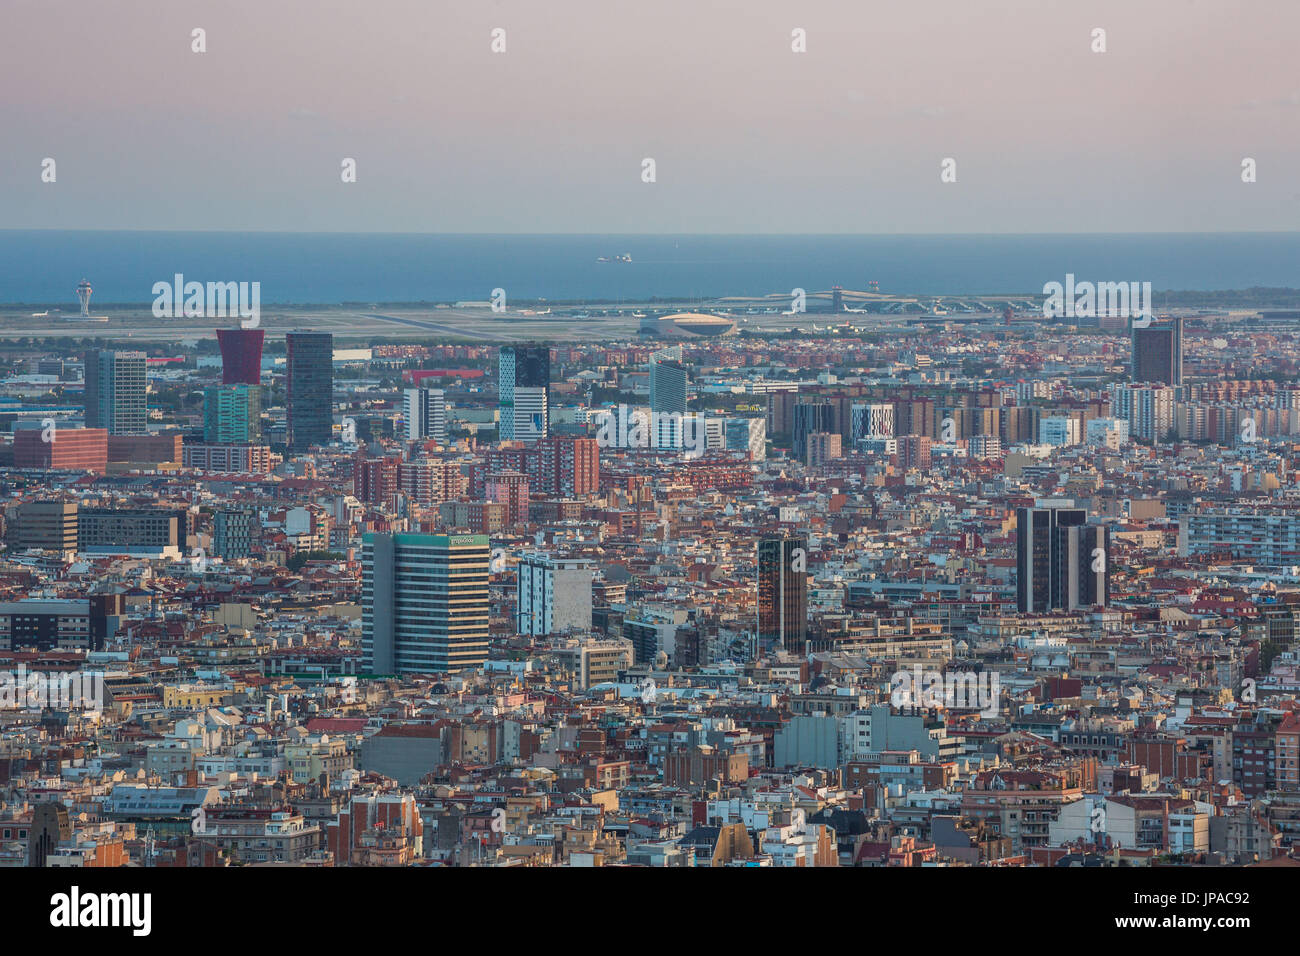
[(44, 267)]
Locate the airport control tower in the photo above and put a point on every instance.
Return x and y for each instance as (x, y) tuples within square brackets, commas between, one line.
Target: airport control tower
[(83, 293)]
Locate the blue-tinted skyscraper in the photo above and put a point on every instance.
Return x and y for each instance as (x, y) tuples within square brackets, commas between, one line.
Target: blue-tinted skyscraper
[(523, 381), (309, 387)]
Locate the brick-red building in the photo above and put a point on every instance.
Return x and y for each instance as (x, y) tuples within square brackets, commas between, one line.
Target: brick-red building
[(510, 488), (375, 480), (559, 465), (431, 481), (354, 835), (702, 764), (914, 452), (73, 449), (164, 446)]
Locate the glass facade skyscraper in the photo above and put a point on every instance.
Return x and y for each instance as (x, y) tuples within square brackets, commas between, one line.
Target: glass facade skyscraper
[(232, 414), (241, 356), (783, 593), (116, 390), (1158, 353), (424, 602), (1062, 562), (523, 367), (309, 376)]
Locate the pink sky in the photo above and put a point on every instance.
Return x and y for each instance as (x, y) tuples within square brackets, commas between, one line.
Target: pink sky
[(747, 136)]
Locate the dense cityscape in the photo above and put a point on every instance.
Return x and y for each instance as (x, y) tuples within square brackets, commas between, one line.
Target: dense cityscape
[(960, 587), (447, 444)]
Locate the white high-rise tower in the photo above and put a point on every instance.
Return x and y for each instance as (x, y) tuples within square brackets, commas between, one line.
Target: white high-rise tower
[(426, 414)]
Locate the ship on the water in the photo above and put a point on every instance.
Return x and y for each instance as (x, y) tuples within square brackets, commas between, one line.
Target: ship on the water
[(625, 257)]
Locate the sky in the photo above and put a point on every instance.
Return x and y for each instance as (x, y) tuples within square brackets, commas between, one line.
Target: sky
[(747, 136)]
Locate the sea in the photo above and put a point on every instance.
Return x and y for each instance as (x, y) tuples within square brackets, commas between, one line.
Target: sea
[(44, 267)]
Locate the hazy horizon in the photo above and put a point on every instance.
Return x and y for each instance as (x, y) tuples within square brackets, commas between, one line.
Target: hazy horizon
[(665, 235), (748, 137)]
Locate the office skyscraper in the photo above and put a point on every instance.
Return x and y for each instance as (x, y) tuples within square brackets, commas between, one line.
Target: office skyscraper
[(241, 356), (809, 418), (523, 367), (872, 420), (1062, 562), (1158, 353), (783, 593), (232, 414), (668, 381), (116, 389), (1149, 410), (746, 434), (531, 413), (232, 533), (309, 376), (424, 602), (426, 415)]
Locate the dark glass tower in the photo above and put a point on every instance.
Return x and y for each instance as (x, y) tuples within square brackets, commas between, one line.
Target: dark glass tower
[(1158, 353), (783, 593), (1057, 567), (309, 377), (521, 366), (668, 386), (810, 418)]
